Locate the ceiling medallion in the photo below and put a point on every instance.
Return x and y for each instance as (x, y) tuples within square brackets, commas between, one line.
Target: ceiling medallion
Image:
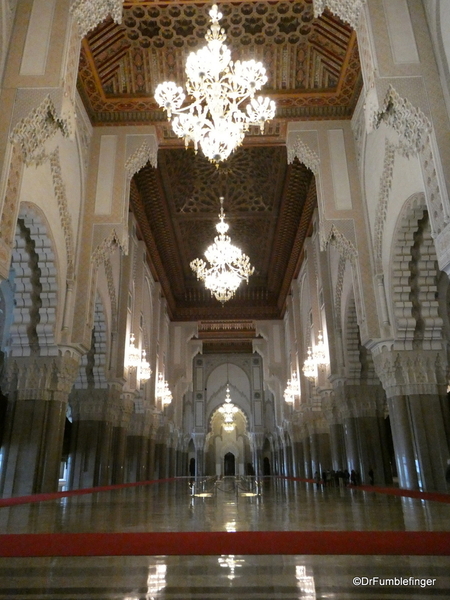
[(215, 121), (228, 264)]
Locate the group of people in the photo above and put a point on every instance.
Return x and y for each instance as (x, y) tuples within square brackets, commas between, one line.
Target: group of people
[(341, 478)]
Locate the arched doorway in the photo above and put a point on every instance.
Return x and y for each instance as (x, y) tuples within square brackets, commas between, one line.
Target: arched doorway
[(229, 467), (266, 466)]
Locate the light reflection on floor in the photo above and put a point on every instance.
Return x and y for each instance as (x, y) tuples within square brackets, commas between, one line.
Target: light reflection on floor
[(281, 506)]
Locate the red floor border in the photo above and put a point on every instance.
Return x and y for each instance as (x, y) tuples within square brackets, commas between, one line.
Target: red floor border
[(410, 543)]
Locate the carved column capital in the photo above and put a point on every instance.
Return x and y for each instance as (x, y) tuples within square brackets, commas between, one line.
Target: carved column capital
[(410, 372), (41, 377)]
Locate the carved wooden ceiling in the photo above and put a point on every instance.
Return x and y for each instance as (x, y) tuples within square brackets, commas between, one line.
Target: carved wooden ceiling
[(314, 73)]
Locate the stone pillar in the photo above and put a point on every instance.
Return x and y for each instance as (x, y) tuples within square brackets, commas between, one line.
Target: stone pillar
[(121, 414), (91, 438), (37, 389), (152, 459), (138, 447), (337, 439), (199, 443), (415, 385), (307, 454)]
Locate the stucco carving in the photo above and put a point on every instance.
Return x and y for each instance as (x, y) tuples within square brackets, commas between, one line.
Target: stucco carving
[(89, 13), (304, 154), (63, 208), (111, 292), (39, 378), (348, 10), (31, 132), (383, 198), (410, 123), (342, 244), (338, 290), (411, 372), (147, 153)]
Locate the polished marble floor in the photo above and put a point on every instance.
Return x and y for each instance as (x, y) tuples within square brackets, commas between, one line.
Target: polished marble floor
[(171, 507)]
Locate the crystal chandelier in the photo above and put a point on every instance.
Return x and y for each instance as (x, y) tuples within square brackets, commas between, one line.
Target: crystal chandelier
[(310, 366), (144, 368), (320, 355), (228, 410), (228, 265), (163, 391), (292, 389), (138, 361), (214, 120)]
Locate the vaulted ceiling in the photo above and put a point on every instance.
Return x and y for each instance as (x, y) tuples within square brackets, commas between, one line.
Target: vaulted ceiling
[(314, 73)]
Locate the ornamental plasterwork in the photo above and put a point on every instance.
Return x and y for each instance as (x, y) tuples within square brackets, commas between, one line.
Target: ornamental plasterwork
[(342, 244), (147, 153), (383, 197), (38, 378), (111, 292), (31, 133), (105, 248), (410, 123), (415, 138), (89, 13), (338, 291), (304, 154), (411, 372), (64, 214), (348, 10), (9, 213)]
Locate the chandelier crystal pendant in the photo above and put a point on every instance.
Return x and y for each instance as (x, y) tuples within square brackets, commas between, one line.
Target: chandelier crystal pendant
[(215, 120), (228, 265), (228, 410)]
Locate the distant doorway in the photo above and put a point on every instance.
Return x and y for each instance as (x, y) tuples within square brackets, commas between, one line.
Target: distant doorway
[(266, 466), (229, 464), (192, 467)]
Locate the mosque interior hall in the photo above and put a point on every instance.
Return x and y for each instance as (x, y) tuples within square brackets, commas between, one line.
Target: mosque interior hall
[(224, 299)]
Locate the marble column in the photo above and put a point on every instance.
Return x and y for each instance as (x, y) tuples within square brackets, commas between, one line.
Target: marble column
[(37, 390), (91, 438), (138, 446), (415, 385)]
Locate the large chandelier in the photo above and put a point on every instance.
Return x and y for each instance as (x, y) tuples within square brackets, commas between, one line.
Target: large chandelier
[(292, 389), (228, 265), (228, 410), (215, 121)]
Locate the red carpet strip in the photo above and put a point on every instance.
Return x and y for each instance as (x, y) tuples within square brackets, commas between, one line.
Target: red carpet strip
[(410, 543), (56, 495), (434, 496)]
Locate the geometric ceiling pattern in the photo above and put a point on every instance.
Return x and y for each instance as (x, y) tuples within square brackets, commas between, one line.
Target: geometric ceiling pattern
[(268, 206), (312, 64), (313, 73)]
